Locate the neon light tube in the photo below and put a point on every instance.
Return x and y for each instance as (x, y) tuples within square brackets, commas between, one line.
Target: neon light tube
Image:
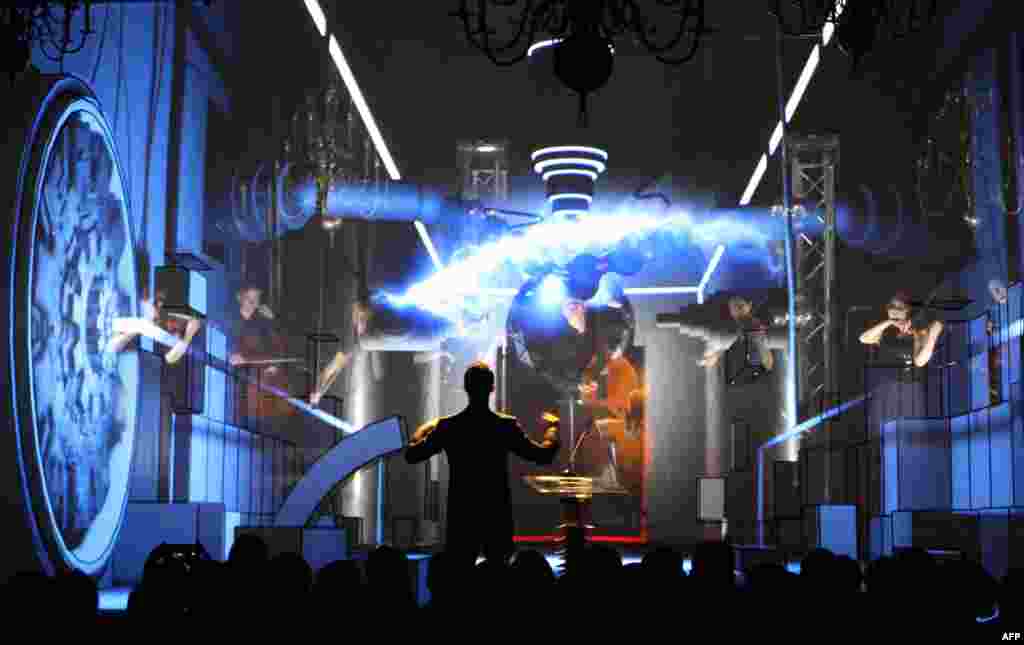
[(755, 179), (425, 238), (364, 110), (589, 199), (794, 100), (659, 291), (575, 161), (798, 430), (829, 29), (569, 171), (632, 291), (802, 82), (712, 265), (541, 45), (317, 14), (811, 423), (773, 143), (583, 149)]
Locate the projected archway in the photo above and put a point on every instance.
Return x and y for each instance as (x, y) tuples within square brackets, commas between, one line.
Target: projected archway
[(379, 439), (72, 272)]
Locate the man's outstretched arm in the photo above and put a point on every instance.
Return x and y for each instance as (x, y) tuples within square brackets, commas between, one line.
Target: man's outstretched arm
[(425, 443), (542, 453)]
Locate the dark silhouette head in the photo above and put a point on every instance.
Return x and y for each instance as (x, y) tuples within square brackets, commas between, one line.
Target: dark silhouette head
[(714, 565), (340, 578), (291, 574), (530, 566), (663, 563), (602, 563), (249, 551), (848, 574), (388, 576), (27, 592), (817, 569), (79, 597), (479, 383)]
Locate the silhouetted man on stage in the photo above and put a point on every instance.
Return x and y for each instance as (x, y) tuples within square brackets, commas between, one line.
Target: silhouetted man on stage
[(477, 442)]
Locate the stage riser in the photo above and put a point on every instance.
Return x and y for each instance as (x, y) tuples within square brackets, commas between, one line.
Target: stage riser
[(319, 546), (146, 526)]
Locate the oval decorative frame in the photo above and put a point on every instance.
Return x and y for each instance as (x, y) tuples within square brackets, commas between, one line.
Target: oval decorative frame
[(72, 272)]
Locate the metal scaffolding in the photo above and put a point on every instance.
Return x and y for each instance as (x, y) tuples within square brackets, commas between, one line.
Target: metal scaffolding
[(483, 171), (815, 162)]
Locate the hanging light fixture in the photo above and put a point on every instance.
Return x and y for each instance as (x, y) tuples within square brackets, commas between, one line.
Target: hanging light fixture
[(858, 26), (46, 24), (581, 34)]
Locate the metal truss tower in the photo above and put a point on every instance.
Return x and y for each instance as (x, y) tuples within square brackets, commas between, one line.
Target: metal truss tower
[(483, 170), (815, 164)]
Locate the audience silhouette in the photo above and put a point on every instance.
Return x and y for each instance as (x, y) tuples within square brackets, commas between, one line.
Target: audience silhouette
[(910, 590)]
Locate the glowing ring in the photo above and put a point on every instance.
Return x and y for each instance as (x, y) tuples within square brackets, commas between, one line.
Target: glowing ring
[(582, 149), (569, 171), (540, 166), (101, 392), (589, 199)]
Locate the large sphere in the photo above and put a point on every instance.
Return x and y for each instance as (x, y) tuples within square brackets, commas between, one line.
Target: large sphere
[(584, 62), (543, 340)]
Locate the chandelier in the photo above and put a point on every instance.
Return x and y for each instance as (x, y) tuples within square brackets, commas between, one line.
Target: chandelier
[(47, 24), (859, 25), (583, 32), (322, 142)]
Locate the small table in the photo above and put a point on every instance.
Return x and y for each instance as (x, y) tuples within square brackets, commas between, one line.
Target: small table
[(575, 492)]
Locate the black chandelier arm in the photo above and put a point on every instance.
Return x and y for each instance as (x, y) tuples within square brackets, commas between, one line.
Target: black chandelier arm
[(44, 27), (523, 21), (479, 33), (814, 15), (916, 18), (693, 9)]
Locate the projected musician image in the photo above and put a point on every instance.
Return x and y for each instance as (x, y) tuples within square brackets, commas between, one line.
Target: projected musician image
[(616, 402), (379, 324), (259, 349), (571, 347), (726, 317)]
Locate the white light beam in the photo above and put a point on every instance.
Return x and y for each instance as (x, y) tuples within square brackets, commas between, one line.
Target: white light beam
[(715, 259), (364, 110), (755, 179), (801, 84), (425, 238), (317, 14)]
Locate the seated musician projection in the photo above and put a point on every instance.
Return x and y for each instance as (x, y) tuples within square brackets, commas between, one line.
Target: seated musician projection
[(260, 351), (381, 325), (617, 412), (724, 319), (255, 334), (183, 328)]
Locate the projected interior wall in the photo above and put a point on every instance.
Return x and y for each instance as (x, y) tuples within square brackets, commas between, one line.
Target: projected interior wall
[(75, 384)]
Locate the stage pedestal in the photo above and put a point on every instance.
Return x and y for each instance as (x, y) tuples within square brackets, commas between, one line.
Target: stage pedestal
[(575, 493)]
